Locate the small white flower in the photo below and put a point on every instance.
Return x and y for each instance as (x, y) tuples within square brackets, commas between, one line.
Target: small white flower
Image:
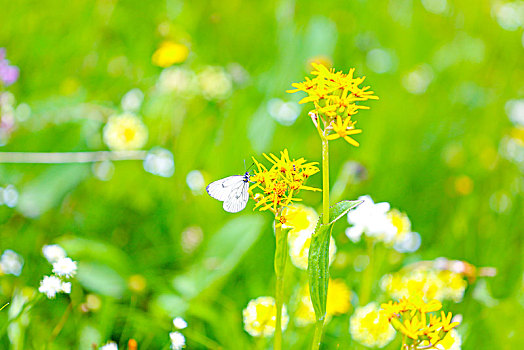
[(53, 252), (11, 263), (159, 161), (110, 346), (178, 341), (179, 323), (371, 219), (51, 285), (65, 267)]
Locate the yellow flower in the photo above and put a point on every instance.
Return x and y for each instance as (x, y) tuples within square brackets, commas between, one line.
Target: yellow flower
[(343, 129), (370, 327), (169, 53), (281, 182), (335, 97), (260, 317), (125, 132), (451, 341), (338, 302)]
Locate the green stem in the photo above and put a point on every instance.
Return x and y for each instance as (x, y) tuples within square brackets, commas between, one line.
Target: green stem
[(280, 266), (367, 279), (325, 220), (317, 337), (325, 180)]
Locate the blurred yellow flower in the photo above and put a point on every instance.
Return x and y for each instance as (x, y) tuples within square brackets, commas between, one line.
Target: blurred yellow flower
[(169, 53), (260, 317), (299, 218), (125, 132), (433, 284), (215, 83), (281, 182), (299, 249), (451, 341), (370, 327), (338, 302)]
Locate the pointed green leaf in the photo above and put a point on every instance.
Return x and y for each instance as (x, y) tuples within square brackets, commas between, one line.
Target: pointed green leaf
[(318, 260)]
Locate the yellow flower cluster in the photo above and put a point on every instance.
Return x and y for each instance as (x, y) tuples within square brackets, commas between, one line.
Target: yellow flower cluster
[(260, 317), (335, 96), (370, 327), (434, 284), (409, 316), (281, 182), (338, 303)]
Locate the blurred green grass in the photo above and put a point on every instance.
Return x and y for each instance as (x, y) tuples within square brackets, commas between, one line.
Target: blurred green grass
[(413, 147)]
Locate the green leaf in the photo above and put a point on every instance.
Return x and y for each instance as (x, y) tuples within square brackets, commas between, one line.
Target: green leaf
[(222, 254), (101, 279), (318, 260)]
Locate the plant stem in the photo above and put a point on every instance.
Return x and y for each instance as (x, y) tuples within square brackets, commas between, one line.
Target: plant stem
[(325, 220), (280, 266), (317, 337), (367, 279), (325, 180)]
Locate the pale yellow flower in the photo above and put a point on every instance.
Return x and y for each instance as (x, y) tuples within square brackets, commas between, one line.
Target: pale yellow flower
[(260, 317), (299, 249), (370, 327), (125, 132), (169, 53), (215, 83)]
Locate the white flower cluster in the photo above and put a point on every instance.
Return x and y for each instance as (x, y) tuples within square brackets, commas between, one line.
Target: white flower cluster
[(380, 222), (178, 341), (11, 263), (63, 268)]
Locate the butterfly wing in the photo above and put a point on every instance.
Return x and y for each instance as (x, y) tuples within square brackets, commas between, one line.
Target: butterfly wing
[(238, 198), (221, 189)]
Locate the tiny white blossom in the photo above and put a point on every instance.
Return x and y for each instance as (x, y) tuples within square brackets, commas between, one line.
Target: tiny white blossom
[(11, 263), (53, 252), (65, 267), (179, 323), (110, 346), (51, 285), (178, 341)]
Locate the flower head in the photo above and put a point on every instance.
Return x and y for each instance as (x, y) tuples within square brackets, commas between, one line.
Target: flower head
[(11, 263), (260, 317), (371, 219), (178, 341), (281, 182), (370, 327), (179, 323), (51, 285), (53, 252), (125, 132), (65, 267), (109, 346), (336, 98), (8, 73), (170, 53)]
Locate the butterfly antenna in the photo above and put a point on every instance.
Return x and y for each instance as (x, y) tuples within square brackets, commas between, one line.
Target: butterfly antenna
[(250, 166)]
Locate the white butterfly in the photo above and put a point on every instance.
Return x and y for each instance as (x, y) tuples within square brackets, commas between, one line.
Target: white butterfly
[(232, 190)]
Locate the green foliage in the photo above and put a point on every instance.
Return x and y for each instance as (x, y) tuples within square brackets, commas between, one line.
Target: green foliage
[(318, 260)]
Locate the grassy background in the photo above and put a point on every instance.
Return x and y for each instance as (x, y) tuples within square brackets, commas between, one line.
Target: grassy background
[(414, 147)]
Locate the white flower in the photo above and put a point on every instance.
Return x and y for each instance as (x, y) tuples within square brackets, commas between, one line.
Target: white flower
[(371, 219), (215, 83), (51, 285), (11, 263), (125, 132), (178, 341), (53, 252), (179, 323), (159, 161), (65, 267), (110, 346)]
